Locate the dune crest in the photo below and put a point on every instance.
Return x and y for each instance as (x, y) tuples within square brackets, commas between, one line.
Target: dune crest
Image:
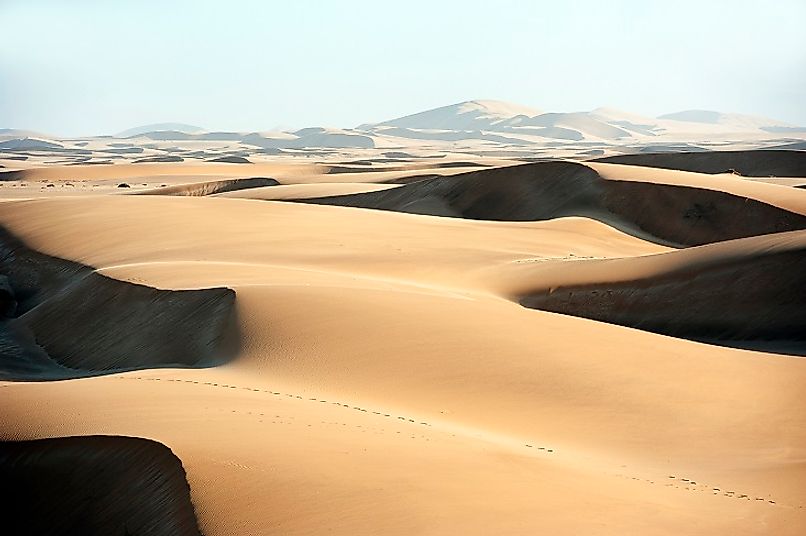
[(62, 319), (747, 293), (668, 214), (758, 163), (213, 187)]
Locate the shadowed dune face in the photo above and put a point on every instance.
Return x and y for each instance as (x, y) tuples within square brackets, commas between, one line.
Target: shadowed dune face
[(356, 167), (667, 214), (12, 175), (94, 485), (412, 178), (64, 320), (231, 159), (755, 300), (758, 163), (101, 324), (161, 158), (213, 187), (684, 216)]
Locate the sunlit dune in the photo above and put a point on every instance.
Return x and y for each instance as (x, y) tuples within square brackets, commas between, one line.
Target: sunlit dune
[(404, 348)]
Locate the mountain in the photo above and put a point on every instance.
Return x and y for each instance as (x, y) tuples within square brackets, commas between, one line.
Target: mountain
[(313, 137), (739, 122), (160, 127), (468, 115), (483, 117), (583, 122), (9, 133), (30, 144), (496, 121), (637, 124), (493, 123)]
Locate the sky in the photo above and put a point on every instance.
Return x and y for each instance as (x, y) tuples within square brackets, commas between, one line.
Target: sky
[(86, 67)]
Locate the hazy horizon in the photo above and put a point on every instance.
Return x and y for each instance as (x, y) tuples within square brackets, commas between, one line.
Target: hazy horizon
[(88, 68)]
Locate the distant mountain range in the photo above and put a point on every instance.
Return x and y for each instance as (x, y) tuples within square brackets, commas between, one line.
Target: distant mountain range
[(599, 124), (160, 127), (481, 121), (502, 122)]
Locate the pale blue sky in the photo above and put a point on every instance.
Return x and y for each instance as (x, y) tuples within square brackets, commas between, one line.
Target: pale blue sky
[(90, 67)]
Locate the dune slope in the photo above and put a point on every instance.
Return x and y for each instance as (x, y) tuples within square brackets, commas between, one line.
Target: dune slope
[(213, 187), (387, 380), (753, 163), (64, 320), (747, 292), (666, 213)]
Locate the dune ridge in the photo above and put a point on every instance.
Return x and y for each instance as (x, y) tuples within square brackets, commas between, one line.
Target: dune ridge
[(749, 292), (668, 214), (749, 163), (62, 319), (213, 187)]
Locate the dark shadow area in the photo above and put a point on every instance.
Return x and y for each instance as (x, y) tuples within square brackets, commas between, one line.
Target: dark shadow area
[(231, 159), (61, 320), (753, 302), (364, 166), (751, 163), (213, 187), (94, 485), (12, 175), (411, 178), (153, 159)]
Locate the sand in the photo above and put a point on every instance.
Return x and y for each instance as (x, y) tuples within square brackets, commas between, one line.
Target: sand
[(47, 484), (683, 209), (758, 163), (395, 371)]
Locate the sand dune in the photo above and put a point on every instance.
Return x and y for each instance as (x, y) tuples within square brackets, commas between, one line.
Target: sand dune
[(231, 159), (469, 115), (581, 122), (65, 320), (747, 292), (30, 144), (346, 168), (764, 163), (734, 121), (159, 127), (303, 191), (386, 378), (94, 485), (475, 129), (165, 158), (213, 187), (670, 214), (9, 133), (507, 123)]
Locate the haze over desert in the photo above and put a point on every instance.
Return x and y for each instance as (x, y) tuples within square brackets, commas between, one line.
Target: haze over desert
[(476, 317)]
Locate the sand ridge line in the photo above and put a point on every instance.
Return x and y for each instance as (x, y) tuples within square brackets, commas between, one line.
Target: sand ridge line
[(406, 285), (403, 419)]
